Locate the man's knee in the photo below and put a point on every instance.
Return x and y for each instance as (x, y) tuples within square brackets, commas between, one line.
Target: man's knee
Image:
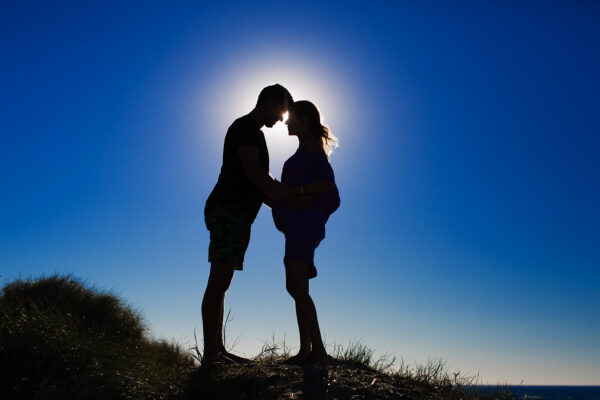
[(221, 275)]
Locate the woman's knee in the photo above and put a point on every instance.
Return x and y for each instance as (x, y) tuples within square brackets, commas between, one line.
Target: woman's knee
[(297, 291), (296, 278)]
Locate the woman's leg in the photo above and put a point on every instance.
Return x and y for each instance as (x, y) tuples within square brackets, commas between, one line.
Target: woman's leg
[(296, 273), (295, 281)]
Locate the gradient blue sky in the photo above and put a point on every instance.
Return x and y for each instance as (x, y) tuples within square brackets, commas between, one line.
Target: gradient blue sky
[(468, 168)]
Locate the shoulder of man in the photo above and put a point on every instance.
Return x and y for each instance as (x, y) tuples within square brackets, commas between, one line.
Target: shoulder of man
[(244, 125), (245, 122), (244, 132)]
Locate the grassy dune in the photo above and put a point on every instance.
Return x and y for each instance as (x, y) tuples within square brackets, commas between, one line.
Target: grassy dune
[(59, 339), (62, 340)]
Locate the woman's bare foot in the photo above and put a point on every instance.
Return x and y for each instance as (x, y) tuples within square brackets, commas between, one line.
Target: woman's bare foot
[(317, 358), (298, 359)]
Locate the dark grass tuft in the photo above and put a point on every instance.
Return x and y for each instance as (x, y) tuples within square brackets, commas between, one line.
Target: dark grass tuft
[(59, 339), (94, 311)]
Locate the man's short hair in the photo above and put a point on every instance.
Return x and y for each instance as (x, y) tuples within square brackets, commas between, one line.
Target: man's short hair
[(275, 92)]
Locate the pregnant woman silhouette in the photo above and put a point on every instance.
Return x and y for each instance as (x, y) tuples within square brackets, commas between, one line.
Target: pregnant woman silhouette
[(307, 174)]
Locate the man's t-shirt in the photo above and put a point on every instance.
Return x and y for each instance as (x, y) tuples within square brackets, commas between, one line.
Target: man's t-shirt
[(233, 187)]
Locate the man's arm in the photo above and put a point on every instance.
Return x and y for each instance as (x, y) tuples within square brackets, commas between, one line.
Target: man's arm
[(251, 166)]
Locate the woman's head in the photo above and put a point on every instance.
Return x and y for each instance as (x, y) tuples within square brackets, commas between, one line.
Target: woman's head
[(304, 118)]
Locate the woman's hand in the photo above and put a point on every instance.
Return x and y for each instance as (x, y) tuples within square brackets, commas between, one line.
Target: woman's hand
[(281, 191), (301, 202)]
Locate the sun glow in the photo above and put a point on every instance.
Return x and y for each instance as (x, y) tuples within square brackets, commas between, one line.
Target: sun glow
[(233, 91)]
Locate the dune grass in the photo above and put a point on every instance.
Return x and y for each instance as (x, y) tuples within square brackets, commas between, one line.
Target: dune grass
[(433, 373), (430, 377), (62, 340), (59, 339)]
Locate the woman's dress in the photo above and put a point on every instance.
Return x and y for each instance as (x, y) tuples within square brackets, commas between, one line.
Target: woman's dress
[(305, 229)]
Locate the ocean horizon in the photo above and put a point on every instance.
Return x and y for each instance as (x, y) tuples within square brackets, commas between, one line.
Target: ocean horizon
[(551, 392)]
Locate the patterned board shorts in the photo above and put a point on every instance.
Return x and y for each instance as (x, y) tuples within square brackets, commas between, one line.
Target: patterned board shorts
[(229, 233)]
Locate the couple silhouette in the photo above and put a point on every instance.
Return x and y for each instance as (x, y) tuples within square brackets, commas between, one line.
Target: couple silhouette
[(301, 205)]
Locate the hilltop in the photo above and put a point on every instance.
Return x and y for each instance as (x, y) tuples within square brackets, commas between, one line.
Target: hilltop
[(271, 379), (62, 340)]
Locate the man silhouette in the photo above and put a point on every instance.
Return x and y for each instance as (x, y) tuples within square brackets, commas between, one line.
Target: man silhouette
[(232, 207)]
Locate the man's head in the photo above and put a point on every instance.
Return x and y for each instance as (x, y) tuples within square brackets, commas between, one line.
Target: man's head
[(273, 101)]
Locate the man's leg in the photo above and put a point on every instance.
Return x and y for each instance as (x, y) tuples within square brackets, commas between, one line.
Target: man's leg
[(220, 336), (220, 344), (221, 274)]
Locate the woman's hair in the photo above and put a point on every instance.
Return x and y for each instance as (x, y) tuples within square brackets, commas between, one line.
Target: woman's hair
[(306, 109)]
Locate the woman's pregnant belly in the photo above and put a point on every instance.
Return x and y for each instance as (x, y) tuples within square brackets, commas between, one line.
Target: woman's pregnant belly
[(292, 221)]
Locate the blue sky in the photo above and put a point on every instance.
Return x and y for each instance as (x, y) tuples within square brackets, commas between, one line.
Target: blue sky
[(468, 168)]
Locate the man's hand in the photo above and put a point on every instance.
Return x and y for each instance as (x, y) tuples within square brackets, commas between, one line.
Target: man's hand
[(269, 202)]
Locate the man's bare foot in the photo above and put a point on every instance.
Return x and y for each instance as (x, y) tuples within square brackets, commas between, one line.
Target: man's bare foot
[(298, 359), (210, 362), (232, 358), (210, 356)]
